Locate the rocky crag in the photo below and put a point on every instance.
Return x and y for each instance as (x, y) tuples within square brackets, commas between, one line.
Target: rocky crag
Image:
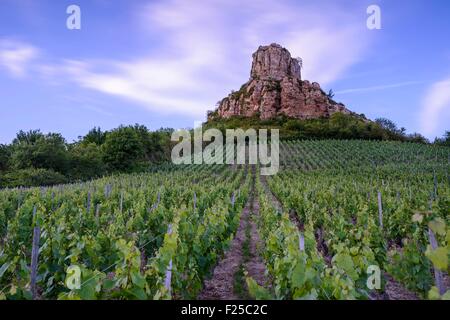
[(275, 88)]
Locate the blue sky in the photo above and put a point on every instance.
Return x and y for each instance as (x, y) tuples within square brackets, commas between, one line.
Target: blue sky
[(165, 63)]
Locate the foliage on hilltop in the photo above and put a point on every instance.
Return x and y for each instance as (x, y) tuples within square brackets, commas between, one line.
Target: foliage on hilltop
[(337, 126)]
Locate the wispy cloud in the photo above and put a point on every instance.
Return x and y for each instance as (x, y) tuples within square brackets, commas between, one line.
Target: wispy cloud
[(206, 51), (207, 46), (379, 87), (436, 108), (16, 57), (145, 82)]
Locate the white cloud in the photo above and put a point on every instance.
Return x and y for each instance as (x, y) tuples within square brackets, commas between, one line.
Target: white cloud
[(132, 82), (207, 46), (204, 51), (16, 57), (436, 108)]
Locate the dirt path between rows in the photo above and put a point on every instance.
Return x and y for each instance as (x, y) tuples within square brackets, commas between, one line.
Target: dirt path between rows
[(255, 265), (243, 255)]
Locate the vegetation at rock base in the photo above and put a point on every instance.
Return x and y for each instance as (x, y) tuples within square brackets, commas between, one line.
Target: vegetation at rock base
[(338, 126)]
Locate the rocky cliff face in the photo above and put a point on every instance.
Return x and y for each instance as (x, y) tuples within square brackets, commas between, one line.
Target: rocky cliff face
[(274, 62), (275, 88)]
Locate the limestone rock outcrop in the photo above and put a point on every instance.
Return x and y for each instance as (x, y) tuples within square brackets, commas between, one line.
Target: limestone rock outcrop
[(274, 62), (275, 88)]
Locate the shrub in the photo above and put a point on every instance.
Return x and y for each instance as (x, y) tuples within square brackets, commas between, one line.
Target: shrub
[(31, 177)]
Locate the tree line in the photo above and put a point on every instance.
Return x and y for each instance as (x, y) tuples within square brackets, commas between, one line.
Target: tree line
[(34, 158)]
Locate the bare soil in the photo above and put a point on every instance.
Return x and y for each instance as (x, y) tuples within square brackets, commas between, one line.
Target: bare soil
[(322, 246), (396, 291), (255, 265), (221, 286)]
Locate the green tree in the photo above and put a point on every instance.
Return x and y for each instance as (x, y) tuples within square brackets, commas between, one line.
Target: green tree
[(29, 137), (86, 161), (123, 149), (146, 140), (388, 125), (5, 155), (35, 150), (162, 138), (444, 141), (417, 137), (95, 135)]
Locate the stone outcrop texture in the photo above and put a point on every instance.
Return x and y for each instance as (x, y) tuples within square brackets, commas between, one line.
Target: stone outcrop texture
[(275, 88), (274, 62)]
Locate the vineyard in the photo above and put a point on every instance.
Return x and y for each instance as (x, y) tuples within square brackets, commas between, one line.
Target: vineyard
[(334, 212)]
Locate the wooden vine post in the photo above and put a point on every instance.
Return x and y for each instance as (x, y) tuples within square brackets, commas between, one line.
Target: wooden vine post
[(35, 255), (438, 278), (380, 210), (168, 278), (121, 201), (88, 204), (437, 273), (195, 201), (301, 242), (97, 214)]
